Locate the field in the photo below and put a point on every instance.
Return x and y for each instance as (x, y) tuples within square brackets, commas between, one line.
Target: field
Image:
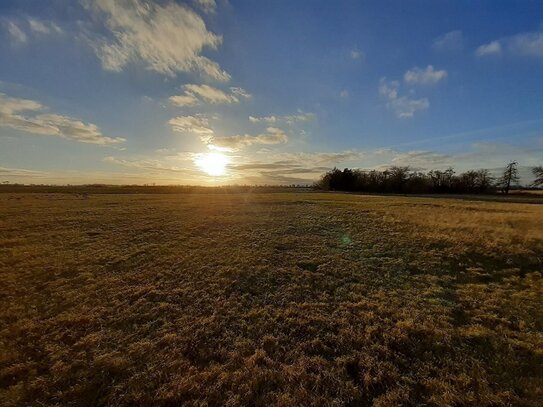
[(261, 299)]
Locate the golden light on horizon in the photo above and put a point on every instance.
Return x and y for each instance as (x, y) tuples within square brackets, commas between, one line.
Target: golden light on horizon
[(213, 164)]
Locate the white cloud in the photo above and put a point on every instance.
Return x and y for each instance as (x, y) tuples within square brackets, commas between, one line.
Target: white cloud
[(17, 34), (356, 54), (426, 76), (207, 6), (451, 41), (193, 94), (528, 44), (184, 100), (388, 89), (12, 115), (43, 27), (167, 38), (403, 106), (492, 48), (198, 125), (344, 94), (240, 92), (273, 135), (21, 30), (288, 119)]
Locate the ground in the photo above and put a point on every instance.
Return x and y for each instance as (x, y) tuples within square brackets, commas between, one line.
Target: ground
[(265, 299)]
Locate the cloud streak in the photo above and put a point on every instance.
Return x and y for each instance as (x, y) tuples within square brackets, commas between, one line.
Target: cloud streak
[(451, 41), (22, 114), (288, 119), (23, 30), (21, 173), (273, 135), (196, 94)]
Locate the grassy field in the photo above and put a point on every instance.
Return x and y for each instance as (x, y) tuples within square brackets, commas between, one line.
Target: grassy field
[(265, 299)]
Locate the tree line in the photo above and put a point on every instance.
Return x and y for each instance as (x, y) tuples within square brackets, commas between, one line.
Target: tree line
[(403, 180)]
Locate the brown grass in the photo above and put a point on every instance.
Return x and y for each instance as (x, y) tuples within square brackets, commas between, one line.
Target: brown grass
[(269, 299)]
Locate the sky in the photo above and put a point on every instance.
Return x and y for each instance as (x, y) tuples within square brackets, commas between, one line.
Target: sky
[(220, 92)]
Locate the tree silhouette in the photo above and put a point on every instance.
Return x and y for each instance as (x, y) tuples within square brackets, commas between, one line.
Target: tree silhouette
[(402, 180), (538, 173), (509, 178)]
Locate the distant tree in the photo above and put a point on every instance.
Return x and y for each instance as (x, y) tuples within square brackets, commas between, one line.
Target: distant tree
[(538, 173), (398, 178), (405, 180), (442, 181), (509, 178), (473, 181), (484, 181)]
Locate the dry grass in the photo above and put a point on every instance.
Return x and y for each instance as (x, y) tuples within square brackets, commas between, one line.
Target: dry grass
[(269, 299)]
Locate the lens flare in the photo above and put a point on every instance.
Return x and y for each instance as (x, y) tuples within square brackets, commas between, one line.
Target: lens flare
[(213, 164)]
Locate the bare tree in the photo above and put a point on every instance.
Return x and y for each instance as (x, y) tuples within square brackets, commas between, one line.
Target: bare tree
[(509, 178), (538, 173)]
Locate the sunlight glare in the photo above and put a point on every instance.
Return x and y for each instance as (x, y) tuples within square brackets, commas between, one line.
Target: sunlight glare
[(213, 164)]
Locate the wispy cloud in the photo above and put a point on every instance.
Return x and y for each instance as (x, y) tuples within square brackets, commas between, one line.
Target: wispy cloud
[(207, 6), (43, 27), (195, 94), (529, 44), (321, 159), (18, 36), (167, 38), (492, 48), (273, 135), (21, 30), (356, 54), (148, 164), (22, 114), (21, 173), (426, 76), (402, 106), (288, 119), (198, 125), (451, 41)]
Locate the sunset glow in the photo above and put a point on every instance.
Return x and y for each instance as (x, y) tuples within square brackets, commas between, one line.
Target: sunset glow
[(213, 164)]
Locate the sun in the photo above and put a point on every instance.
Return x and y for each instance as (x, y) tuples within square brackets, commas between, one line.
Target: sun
[(213, 164)]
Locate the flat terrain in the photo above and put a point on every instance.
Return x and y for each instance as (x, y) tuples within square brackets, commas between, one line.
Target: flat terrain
[(269, 299)]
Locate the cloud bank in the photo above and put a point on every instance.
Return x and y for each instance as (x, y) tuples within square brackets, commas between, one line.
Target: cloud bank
[(22, 114)]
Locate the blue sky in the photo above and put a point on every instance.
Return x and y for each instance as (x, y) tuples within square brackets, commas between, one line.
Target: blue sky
[(130, 91)]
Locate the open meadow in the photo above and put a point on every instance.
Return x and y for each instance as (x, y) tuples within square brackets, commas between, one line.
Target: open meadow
[(287, 299)]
